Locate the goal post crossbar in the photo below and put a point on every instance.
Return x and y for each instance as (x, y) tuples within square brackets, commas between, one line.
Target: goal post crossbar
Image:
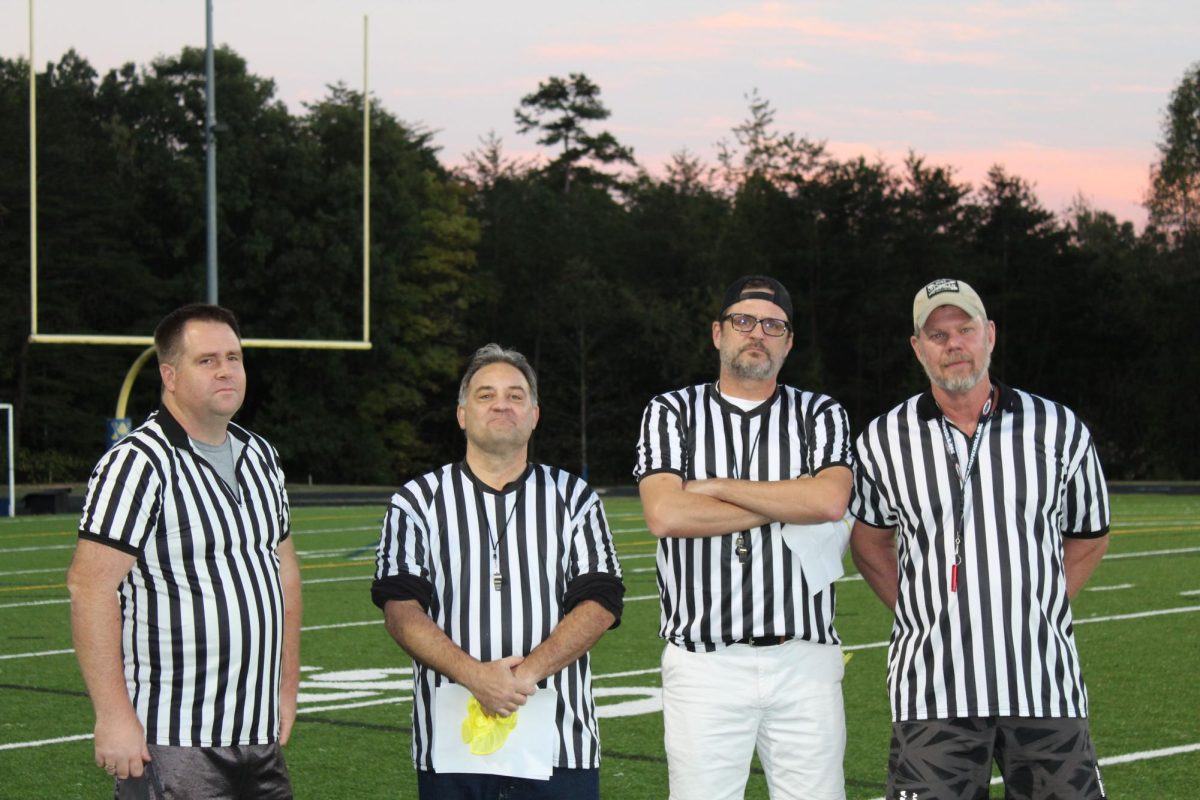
[(146, 341)]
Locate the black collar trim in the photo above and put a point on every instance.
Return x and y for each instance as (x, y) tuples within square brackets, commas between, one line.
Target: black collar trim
[(178, 437), (512, 485), (927, 407), (714, 394)]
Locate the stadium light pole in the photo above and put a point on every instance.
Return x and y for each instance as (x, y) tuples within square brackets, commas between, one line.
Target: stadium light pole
[(33, 209), (210, 151), (366, 168)]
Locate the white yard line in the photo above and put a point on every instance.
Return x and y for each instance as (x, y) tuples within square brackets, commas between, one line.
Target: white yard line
[(1111, 588), (627, 674), (38, 548), (79, 737), (37, 654), (36, 603), (337, 625), (60, 570), (362, 704), (312, 531), (342, 553), (1139, 615), (1150, 553)]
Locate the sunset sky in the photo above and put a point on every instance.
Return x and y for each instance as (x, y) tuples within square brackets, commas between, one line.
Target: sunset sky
[(1069, 96)]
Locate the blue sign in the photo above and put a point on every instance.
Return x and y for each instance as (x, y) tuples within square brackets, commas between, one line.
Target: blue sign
[(118, 429)]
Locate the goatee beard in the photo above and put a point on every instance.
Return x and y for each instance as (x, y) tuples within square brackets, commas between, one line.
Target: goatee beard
[(752, 370)]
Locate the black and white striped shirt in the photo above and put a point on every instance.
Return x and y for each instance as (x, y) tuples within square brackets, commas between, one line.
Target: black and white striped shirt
[(1002, 644), (709, 597), (541, 533), (202, 608)]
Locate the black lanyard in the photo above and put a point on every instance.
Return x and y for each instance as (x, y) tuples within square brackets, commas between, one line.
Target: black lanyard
[(964, 478), (741, 545), (496, 539)]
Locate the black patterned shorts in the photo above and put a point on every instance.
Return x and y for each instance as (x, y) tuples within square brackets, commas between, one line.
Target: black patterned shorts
[(246, 772), (951, 759)]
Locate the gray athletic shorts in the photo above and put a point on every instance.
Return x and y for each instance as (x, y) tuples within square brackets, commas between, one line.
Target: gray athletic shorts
[(951, 759), (246, 772)]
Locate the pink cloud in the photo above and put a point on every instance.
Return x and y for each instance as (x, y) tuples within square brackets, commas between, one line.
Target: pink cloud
[(663, 46), (575, 51), (1036, 12), (786, 63), (1133, 88), (973, 58), (1002, 92), (1110, 179), (774, 17)]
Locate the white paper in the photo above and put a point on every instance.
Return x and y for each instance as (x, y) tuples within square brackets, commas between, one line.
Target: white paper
[(820, 549), (527, 752)]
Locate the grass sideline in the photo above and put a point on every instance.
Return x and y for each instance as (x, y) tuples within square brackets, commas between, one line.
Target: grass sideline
[(352, 740)]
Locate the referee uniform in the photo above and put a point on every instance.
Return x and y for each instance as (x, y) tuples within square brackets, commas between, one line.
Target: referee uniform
[(203, 607), (745, 482), (498, 576), (1002, 643), (982, 661), (553, 545), (185, 586), (710, 597)]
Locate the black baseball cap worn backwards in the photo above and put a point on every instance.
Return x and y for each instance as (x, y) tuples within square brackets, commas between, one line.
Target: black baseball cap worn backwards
[(737, 292)]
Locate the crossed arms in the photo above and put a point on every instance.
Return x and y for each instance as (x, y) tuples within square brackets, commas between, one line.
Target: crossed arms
[(717, 506)]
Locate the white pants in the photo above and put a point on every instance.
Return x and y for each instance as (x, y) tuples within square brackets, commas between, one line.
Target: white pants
[(785, 700)]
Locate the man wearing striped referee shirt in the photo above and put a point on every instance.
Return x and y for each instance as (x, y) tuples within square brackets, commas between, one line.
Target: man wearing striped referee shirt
[(982, 510), (185, 588), (497, 575), (745, 482)]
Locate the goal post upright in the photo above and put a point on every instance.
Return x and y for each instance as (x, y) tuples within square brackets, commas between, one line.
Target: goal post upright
[(12, 486)]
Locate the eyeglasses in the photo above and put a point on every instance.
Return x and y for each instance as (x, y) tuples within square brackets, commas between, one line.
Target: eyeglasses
[(744, 323)]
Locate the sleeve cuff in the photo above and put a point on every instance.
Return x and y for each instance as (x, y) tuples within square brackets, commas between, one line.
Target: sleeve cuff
[(402, 587), (650, 472), (607, 590), (116, 544), (1086, 534)]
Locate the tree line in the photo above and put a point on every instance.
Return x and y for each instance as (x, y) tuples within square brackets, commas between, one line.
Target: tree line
[(605, 275)]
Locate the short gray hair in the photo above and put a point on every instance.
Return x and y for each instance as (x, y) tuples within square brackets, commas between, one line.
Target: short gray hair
[(495, 354)]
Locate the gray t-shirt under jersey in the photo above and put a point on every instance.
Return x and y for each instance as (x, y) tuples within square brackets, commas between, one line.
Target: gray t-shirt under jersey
[(222, 457)]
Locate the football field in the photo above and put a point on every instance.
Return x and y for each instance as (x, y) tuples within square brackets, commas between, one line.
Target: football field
[(1137, 627)]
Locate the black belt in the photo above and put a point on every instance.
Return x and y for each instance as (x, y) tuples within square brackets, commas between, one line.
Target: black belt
[(763, 641)]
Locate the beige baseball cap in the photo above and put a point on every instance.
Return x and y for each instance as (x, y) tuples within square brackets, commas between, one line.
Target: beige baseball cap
[(945, 292)]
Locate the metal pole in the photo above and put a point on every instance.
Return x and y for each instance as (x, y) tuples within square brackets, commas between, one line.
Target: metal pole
[(12, 486), (33, 249), (210, 142), (366, 212), (130, 377)]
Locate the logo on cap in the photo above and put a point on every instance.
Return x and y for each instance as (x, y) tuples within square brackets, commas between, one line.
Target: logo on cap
[(941, 285)]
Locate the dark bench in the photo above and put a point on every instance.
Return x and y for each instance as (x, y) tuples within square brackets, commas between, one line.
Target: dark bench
[(48, 501)]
